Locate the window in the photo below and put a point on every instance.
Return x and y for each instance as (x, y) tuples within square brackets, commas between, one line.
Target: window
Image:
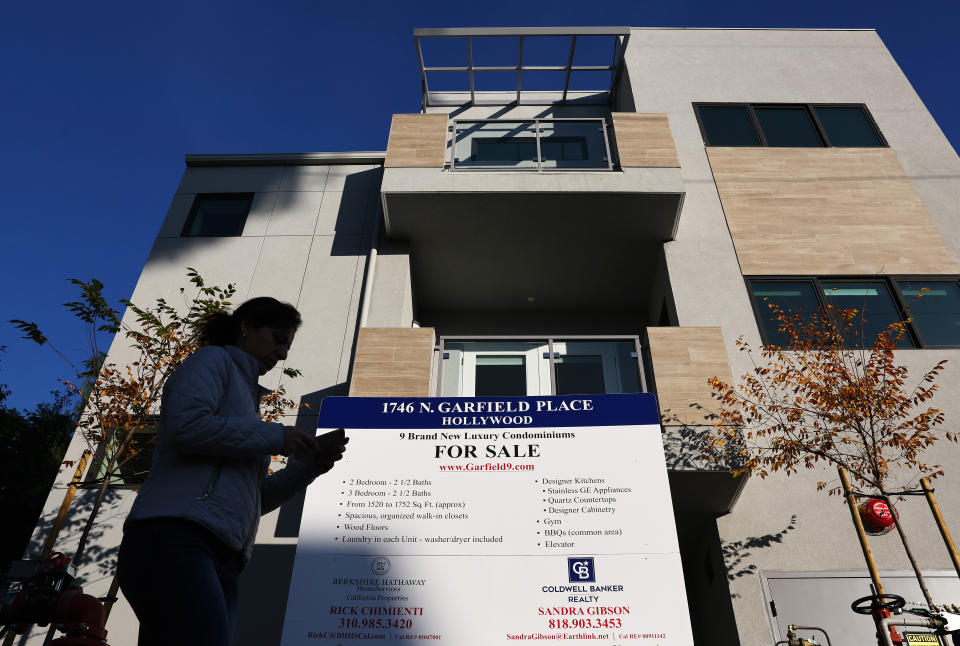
[(930, 306), (935, 309), (498, 375), (790, 296), (535, 144), (787, 125), (503, 152), (579, 373), (729, 125), (873, 299), (848, 126), (217, 215)]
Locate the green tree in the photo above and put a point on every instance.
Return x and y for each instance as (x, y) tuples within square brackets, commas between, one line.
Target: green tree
[(31, 448)]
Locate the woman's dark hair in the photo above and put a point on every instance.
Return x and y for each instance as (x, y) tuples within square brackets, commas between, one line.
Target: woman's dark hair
[(223, 328)]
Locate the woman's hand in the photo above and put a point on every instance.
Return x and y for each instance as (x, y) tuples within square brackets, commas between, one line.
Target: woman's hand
[(331, 446), (323, 450), (298, 443)]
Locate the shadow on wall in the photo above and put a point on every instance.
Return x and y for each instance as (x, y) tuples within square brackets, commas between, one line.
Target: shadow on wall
[(357, 204), (99, 559), (625, 102), (736, 554), (288, 518), (709, 565), (685, 445)]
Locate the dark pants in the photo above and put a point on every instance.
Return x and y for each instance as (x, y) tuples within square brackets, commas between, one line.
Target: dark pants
[(181, 581)]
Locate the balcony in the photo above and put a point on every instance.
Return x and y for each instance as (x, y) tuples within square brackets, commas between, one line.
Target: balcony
[(588, 201), (533, 145), (604, 155)]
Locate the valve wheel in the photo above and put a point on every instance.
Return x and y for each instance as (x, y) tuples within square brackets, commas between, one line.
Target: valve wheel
[(877, 602)]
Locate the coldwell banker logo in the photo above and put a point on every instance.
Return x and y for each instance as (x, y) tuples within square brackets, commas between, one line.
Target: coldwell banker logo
[(580, 569)]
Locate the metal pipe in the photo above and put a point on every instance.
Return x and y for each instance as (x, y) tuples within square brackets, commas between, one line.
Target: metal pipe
[(903, 621), (861, 534), (65, 505), (817, 628), (941, 525), (371, 269)]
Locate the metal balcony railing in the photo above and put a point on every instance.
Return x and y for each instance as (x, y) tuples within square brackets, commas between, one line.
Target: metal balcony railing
[(531, 144)]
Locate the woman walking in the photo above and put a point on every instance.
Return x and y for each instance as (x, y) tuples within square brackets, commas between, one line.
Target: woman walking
[(192, 526)]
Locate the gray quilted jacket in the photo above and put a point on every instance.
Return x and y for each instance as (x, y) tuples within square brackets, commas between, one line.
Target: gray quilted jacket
[(212, 454)]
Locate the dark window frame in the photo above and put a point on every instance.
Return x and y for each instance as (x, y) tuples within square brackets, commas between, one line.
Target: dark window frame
[(810, 109), (889, 281), (199, 197)]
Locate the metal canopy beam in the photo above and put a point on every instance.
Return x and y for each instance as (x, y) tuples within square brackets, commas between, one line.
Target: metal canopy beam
[(521, 31), (474, 95), (566, 80)]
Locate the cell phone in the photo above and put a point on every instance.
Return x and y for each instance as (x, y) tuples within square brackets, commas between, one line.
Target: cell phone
[(337, 433)]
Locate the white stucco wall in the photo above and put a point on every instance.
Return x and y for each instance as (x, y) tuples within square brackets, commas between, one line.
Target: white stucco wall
[(669, 70)]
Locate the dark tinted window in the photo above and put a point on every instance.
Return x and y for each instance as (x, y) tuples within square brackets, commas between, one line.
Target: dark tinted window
[(847, 126), (787, 127), (504, 150), (873, 302), (728, 126), (563, 148), (792, 125), (525, 149), (496, 376), (580, 375), (218, 215), (935, 309), (790, 296)]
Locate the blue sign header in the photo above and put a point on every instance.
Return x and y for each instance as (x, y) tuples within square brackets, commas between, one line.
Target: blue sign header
[(488, 412)]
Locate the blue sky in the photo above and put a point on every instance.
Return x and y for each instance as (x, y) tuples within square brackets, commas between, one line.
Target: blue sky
[(101, 100)]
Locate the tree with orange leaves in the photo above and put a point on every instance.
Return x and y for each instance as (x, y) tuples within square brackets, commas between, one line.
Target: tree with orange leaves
[(119, 403), (816, 401)]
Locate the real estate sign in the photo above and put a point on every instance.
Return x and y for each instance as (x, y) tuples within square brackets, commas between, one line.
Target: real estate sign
[(482, 521)]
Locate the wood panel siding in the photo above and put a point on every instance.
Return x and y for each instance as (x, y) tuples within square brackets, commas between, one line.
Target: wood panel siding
[(417, 141), (683, 359), (392, 362), (808, 211), (644, 140)]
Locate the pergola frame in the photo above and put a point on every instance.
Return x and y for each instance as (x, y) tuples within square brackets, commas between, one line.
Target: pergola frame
[(620, 37)]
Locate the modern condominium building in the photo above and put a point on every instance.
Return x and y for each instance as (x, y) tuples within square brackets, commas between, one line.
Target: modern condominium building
[(599, 210)]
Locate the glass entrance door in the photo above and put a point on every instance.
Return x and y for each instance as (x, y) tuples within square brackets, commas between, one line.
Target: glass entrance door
[(489, 369)]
